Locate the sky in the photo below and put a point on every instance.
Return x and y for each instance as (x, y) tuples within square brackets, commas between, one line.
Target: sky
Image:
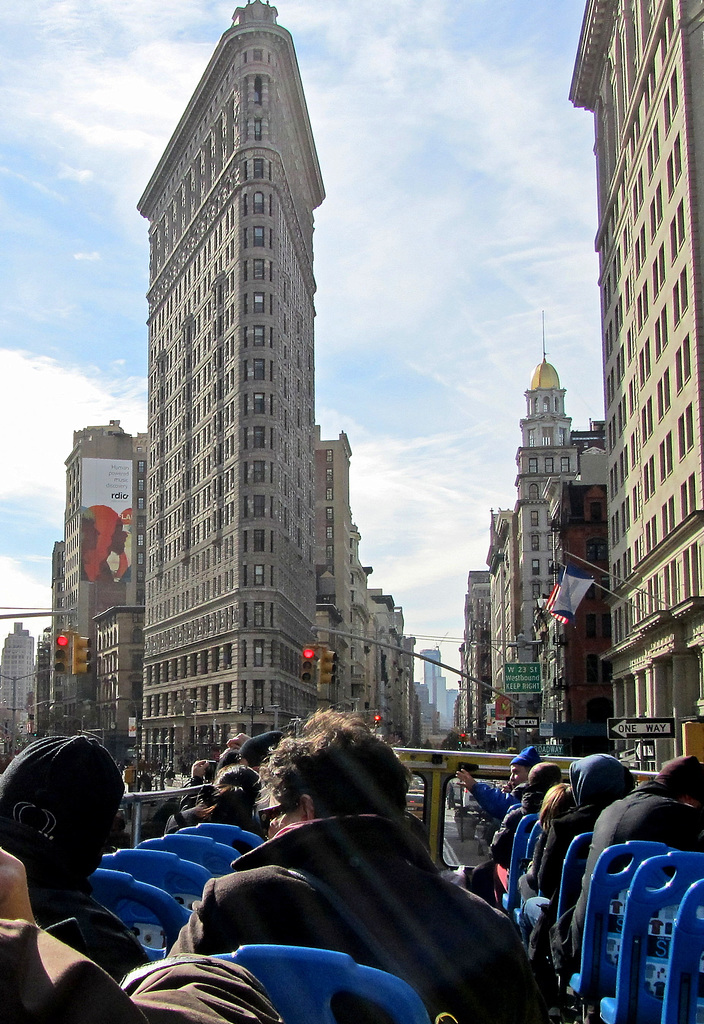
[(460, 211)]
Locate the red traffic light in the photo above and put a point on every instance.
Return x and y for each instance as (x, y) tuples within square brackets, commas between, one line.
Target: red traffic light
[(62, 640), (308, 653), (377, 718)]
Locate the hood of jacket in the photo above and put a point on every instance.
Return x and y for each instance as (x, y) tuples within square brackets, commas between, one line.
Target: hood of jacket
[(599, 779)]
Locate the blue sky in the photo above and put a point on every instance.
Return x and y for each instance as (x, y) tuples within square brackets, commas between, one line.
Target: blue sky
[(460, 205)]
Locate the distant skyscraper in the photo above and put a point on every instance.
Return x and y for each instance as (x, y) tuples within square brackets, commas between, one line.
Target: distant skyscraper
[(17, 681), (231, 580), (639, 69)]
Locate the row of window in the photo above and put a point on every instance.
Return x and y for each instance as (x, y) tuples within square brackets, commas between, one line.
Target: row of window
[(549, 464)]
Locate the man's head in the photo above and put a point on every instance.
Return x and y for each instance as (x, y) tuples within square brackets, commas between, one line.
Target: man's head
[(684, 779), (544, 776), (68, 788), (522, 764), (336, 767)]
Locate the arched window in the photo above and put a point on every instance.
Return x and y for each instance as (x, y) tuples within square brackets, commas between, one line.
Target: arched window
[(546, 405), (258, 202), (258, 89), (599, 709), (533, 492)]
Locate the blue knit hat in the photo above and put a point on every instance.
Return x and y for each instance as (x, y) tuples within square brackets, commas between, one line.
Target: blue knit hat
[(527, 757)]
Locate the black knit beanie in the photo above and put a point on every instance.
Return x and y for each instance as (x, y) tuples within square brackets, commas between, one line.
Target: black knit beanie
[(68, 788), (683, 777)]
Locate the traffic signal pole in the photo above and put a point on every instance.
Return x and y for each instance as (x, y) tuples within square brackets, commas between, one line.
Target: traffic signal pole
[(394, 647)]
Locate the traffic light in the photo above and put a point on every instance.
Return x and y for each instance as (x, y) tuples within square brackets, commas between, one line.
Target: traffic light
[(307, 665), (62, 653), (328, 666), (377, 720), (80, 655)]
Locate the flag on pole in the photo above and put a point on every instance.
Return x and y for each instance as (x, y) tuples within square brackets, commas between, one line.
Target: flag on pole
[(568, 592)]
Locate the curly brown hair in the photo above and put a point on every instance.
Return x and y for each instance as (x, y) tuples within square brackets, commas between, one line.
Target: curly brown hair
[(341, 765)]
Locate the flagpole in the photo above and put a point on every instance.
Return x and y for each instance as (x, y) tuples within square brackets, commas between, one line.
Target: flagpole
[(619, 579)]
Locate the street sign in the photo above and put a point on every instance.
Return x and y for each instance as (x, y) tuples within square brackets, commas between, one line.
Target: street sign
[(522, 723), (655, 728), (551, 749), (522, 677)]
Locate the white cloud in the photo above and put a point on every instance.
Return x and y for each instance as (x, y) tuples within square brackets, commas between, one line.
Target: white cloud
[(91, 257)]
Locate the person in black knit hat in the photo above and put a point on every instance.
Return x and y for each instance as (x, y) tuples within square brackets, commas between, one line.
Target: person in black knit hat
[(58, 799)]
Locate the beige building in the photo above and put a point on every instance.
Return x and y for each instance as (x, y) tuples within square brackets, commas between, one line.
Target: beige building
[(640, 69), (101, 562), (231, 582), (119, 655), (475, 653)]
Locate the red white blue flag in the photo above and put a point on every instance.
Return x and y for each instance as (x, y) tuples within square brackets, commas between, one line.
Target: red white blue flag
[(567, 593)]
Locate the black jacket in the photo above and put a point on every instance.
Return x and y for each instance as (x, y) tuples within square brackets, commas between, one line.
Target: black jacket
[(62, 904), (365, 885), (649, 813)]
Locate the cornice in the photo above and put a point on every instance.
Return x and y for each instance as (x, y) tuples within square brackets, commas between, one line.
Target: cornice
[(596, 29)]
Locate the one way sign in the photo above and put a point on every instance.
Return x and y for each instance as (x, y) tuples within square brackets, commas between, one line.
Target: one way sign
[(657, 728), (522, 723)]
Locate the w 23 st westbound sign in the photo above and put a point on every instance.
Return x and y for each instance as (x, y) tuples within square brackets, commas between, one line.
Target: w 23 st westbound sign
[(522, 677), (623, 728)]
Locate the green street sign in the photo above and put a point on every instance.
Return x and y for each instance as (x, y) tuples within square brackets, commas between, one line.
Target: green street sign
[(522, 677)]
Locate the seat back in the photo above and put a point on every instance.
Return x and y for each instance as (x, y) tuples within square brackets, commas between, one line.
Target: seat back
[(532, 840), (154, 916), (517, 865), (216, 857), (603, 924), (226, 834), (684, 989), (656, 891), (573, 872), (302, 982), (182, 879)]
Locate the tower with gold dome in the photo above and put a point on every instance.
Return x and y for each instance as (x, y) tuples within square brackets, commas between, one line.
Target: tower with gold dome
[(546, 453)]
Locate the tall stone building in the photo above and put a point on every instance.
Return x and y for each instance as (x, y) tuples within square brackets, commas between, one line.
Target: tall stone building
[(640, 69), (475, 653), (101, 561), (231, 581)]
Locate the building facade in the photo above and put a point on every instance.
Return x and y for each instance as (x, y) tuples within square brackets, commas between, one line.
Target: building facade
[(119, 650), (101, 561), (17, 684), (231, 572), (475, 652), (639, 69)]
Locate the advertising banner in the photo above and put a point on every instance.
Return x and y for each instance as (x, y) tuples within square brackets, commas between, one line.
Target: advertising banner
[(106, 520)]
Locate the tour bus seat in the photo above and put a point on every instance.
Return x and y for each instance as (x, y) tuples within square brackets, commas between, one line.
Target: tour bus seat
[(573, 872), (302, 983), (603, 924), (216, 857), (229, 835), (182, 879), (152, 914), (517, 866), (684, 990), (654, 897)]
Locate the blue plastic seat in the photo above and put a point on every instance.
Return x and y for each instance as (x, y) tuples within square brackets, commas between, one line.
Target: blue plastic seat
[(573, 872), (684, 990), (216, 857), (603, 923), (656, 891), (517, 866), (154, 916), (182, 879), (533, 838), (226, 834), (301, 983)]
